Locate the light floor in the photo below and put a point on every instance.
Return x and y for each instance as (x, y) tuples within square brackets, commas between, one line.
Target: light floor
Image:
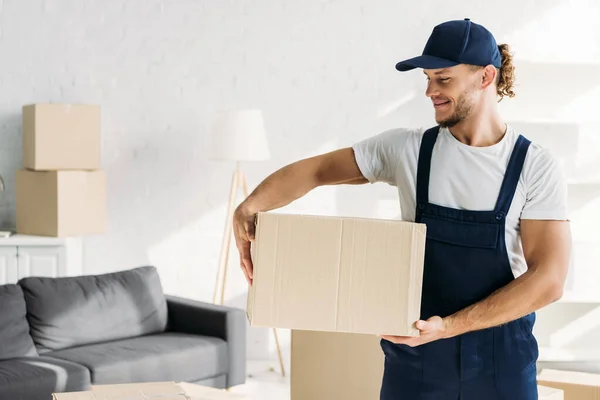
[(264, 382)]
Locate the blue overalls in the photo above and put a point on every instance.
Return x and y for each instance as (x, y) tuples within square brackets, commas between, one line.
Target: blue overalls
[(465, 261)]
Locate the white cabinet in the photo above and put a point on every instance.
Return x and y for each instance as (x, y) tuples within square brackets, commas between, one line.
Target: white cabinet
[(8, 265), (41, 261), (23, 255)]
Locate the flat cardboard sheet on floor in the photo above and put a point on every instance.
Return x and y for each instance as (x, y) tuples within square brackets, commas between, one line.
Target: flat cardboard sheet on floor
[(147, 391), (576, 385), (339, 274)]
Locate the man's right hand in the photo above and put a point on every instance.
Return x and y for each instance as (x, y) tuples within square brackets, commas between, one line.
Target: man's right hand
[(243, 231)]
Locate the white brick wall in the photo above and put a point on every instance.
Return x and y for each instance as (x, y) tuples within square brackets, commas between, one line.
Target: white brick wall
[(322, 71)]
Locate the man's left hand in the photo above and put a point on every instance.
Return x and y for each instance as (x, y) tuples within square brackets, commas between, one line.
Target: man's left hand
[(433, 329)]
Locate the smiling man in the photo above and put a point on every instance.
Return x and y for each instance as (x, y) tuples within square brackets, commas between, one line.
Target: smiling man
[(495, 205)]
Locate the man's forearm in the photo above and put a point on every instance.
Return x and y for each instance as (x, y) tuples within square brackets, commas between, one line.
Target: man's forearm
[(528, 293), (297, 179), (282, 187)]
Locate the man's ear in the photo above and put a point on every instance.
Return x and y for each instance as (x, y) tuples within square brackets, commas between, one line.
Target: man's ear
[(488, 76)]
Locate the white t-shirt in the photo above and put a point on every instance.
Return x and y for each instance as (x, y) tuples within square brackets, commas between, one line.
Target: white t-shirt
[(469, 178)]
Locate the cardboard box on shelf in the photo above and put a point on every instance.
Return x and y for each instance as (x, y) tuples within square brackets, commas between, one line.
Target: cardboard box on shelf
[(575, 385), (338, 274), (144, 391), (335, 365), (548, 393), (61, 136), (60, 203)]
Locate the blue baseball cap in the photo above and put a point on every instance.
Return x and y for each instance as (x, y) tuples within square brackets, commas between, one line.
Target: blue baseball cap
[(456, 42)]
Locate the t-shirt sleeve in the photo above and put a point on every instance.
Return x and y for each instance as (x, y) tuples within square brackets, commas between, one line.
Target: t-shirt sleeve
[(546, 189), (379, 157)]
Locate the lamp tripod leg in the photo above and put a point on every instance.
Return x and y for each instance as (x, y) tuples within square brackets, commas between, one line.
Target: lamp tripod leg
[(219, 293)]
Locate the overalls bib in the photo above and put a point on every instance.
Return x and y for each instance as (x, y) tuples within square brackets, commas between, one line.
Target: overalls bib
[(465, 261)]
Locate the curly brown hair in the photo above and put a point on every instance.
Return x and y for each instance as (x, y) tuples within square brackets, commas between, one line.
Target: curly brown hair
[(505, 79)]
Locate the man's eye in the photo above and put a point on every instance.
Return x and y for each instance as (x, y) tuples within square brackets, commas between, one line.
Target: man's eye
[(443, 80)]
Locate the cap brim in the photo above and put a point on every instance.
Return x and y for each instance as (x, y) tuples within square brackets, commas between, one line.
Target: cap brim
[(425, 62)]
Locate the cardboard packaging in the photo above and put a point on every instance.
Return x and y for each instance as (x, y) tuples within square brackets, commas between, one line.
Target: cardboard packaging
[(337, 274), (575, 385), (548, 393), (144, 391), (60, 203), (335, 365), (61, 137)]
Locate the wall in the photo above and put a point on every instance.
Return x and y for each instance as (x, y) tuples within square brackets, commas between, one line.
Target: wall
[(322, 72)]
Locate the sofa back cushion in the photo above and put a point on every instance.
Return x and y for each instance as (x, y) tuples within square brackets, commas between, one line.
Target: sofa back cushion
[(72, 311), (14, 329)]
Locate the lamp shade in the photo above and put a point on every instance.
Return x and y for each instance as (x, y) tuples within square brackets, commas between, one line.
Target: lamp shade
[(239, 136)]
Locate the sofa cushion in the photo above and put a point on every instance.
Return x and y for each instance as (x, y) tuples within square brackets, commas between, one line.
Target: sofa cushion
[(35, 378), (73, 311), (14, 329), (165, 356)]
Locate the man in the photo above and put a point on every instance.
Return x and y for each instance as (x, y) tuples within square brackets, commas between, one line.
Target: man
[(498, 238)]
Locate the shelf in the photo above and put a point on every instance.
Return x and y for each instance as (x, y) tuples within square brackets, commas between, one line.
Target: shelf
[(553, 354), (30, 240)]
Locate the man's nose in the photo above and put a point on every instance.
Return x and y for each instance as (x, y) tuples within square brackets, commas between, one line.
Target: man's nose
[(431, 90)]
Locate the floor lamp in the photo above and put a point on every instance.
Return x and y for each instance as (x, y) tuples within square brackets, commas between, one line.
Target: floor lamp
[(237, 136)]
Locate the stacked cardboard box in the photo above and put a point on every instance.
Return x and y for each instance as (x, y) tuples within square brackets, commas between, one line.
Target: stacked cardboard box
[(575, 385), (61, 189), (335, 365)]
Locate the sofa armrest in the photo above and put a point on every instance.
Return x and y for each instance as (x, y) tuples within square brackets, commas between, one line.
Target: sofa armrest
[(227, 323)]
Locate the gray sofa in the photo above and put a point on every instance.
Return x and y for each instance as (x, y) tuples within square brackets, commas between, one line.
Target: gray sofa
[(63, 334)]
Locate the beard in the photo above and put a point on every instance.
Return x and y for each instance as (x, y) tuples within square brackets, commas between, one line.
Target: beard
[(464, 107)]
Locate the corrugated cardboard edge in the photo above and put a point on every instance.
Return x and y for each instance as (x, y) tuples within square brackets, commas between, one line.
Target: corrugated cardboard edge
[(60, 181), (149, 390), (199, 392), (416, 273), (252, 288), (124, 390), (255, 250), (74, 396), (28, 138), (342, 224)]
